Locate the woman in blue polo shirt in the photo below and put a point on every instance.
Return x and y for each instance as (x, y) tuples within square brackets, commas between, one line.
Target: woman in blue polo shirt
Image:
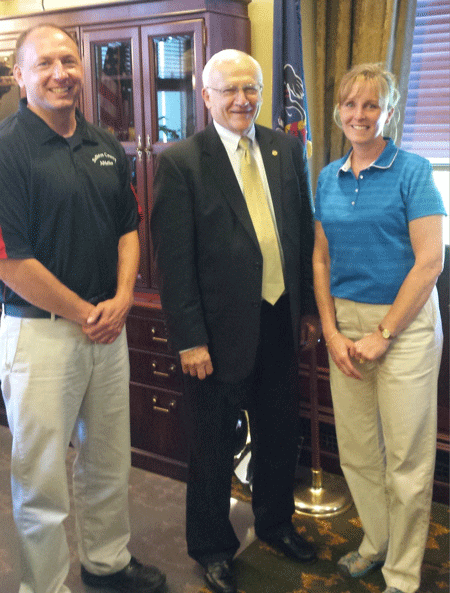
[(378, 253)]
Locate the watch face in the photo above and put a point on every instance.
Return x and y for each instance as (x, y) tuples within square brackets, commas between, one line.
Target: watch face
[(386, 334)]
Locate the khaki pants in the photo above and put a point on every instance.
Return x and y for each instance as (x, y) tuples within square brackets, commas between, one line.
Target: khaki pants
[(59, 387), (386, 430)]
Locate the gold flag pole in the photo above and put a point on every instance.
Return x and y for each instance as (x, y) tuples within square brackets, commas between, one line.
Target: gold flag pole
[(319, 499)]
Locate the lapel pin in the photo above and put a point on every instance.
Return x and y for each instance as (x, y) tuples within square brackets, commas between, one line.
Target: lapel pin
[(274, 152)]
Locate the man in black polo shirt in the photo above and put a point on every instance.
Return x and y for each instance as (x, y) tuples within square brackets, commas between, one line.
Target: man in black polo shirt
[(69, 255)]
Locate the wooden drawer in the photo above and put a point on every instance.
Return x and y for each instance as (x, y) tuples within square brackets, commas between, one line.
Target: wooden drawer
[(152, 368), (146, 330), (157, 422)]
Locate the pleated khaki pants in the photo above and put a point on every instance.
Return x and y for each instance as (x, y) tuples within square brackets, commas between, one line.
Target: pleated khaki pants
[(386, 429), (59, 387)]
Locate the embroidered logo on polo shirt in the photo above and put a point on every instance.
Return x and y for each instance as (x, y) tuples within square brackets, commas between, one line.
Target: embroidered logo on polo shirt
[(104, 159)]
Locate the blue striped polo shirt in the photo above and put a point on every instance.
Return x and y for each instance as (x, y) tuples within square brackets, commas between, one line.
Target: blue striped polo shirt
[(366, 219)]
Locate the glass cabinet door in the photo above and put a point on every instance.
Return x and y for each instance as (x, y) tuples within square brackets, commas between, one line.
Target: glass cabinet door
[(112, 87), (143, 84), (113, 101), (172, 63), (174, 86), (172, 67)]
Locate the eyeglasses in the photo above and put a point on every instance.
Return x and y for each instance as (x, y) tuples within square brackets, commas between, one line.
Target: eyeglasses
[(249, 90)]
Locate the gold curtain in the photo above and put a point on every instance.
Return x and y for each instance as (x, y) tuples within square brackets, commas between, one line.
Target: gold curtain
[(351, 32)]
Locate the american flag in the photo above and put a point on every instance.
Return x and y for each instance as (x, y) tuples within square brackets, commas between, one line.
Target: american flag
[(112, 103)]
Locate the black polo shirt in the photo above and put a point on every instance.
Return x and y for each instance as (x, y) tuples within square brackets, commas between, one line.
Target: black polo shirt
[(65, 202)]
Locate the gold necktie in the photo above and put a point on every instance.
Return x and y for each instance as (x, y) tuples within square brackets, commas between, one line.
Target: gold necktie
[(255, 196)]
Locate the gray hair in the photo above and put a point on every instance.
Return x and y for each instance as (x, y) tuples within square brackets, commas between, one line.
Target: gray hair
[(227, 56)]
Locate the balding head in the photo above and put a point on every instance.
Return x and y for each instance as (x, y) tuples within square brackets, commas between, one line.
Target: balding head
[(229, 57), (36, 29)]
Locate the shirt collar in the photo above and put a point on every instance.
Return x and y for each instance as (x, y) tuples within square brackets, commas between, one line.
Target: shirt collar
[(230, 139), (43, 133), (384, 161)]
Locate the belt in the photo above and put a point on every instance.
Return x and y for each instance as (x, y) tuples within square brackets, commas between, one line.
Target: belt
[(27, 311), (33, 312)]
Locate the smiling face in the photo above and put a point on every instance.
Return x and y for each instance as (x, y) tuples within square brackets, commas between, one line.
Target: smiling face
[(236, 113), (364, 114), (50, 70)]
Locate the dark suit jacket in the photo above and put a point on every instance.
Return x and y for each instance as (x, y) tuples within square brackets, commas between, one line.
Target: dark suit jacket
[(207, 253)]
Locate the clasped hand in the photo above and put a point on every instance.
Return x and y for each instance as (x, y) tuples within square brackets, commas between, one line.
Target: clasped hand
[(106, 320), (342, 350)]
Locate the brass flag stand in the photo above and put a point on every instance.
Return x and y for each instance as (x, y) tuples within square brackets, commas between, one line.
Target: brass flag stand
[(319, 499)]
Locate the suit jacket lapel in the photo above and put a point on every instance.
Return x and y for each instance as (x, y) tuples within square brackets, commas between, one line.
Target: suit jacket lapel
[(223, 178)]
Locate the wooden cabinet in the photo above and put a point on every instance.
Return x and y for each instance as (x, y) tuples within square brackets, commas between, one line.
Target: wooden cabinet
[(140, 84), (157, 423)]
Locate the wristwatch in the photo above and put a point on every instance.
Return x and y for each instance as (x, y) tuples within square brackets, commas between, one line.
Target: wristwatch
[(385, 333)]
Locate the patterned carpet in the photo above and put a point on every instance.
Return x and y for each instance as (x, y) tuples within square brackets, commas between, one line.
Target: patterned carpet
[(261, 569), (157, 516)]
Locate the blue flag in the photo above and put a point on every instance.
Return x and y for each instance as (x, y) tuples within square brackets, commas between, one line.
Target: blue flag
[(289, 107)]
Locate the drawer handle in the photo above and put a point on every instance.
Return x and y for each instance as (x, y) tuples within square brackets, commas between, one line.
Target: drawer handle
[(172, 370), (155, 337), (172, 406)]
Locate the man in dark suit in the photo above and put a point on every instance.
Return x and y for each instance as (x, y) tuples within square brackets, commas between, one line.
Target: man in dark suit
[(236, 288)]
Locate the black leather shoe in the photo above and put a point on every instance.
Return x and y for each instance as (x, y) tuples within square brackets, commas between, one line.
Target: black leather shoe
[(134, 578), (292, 544), (220, 577)]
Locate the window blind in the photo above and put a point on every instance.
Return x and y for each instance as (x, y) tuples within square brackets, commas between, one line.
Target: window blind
[(170, 56), (427, 114)]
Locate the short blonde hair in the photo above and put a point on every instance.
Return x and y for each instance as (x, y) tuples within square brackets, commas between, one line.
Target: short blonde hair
[(375, 73), (383, 80)]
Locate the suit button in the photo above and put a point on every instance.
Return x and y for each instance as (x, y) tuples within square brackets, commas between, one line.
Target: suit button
[(258, 265), (256, 304)]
